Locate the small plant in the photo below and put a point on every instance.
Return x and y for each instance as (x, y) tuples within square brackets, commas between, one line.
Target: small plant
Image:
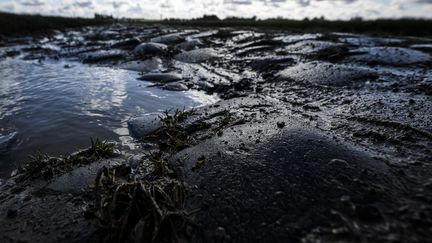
[(177, 117), (148, 211), (149, 208), (42, 165), (172, 136), (160, 165), (39, 163), (100, 149)]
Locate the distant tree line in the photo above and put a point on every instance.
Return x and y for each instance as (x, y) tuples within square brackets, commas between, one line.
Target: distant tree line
[(103, 17), (403, 26)]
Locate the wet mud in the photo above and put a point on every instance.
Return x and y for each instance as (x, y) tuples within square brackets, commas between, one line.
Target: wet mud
[(316, 138)]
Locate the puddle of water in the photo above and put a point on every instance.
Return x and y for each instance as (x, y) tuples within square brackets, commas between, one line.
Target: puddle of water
[(57, 110)]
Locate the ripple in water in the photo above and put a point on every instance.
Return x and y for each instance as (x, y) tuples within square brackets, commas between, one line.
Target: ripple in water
[(57, 110)]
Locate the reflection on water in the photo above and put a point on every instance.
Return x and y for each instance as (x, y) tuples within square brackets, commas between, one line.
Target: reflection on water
[(57, 110)]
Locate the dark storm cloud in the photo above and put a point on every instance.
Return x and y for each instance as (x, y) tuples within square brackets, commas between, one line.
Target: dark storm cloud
[(274, 3), (239, 2), (303, 3), (135, 9), (32, 3), (423, 1), (118, 4), (165, 5), (83, 4), (306, 3)]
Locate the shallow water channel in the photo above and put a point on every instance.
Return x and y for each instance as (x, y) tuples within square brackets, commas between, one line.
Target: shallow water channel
[(56, 107)]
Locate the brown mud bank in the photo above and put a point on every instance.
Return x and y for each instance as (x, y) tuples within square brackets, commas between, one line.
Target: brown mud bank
[(317, 138)]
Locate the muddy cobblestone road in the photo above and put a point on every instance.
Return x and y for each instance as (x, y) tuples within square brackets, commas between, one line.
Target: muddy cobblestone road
[(316, 138)]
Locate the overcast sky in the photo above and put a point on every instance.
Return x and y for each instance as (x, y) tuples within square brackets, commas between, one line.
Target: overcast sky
[(155, 9)]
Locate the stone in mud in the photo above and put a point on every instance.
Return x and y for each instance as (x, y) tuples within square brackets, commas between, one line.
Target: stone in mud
[(5, 141), (150, 49), (202, 35), (361, 40), (271, 63), (190, 44), (423, 87), (245, 36), (296, 38), (81, 178), (12, 53), (389, 55), (161, 77), (100, 56), (310, 46), (328, 74), (176, 86), (205, 85), (422, 47), (168, 39), (147, 65), (197, 73), (104, 35), (127, 44), (142, 126), (197, 56)]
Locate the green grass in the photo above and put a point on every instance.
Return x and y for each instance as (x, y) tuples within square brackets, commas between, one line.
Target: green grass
[(24, 24), (146, 208), (42, 165), (145, 211), (172, 135)]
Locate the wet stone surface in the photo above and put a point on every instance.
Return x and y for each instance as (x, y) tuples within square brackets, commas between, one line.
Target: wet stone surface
[(316, 138)]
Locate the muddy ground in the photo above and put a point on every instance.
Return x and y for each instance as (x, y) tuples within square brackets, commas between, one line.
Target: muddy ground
[(317, 138)]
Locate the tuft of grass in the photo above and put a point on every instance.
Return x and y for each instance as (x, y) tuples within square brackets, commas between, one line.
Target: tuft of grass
[(42, 165), (176, 117), (160, 164), (172, 135), (145, 211), (147, 207)]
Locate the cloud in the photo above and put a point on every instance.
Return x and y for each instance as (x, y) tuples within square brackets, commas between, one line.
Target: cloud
[(83, 3), (32, 3), (306, 3), (154, 9), (239, 2), (165, 5), (118, 4)]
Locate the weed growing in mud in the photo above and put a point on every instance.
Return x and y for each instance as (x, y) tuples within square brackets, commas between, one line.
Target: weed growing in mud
[(177, 117), (145, 211), (159, 163), (149, 208), (42, 165), (172, 136)]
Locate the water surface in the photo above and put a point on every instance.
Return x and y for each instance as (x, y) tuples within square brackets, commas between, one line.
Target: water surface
[(56, 107)]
